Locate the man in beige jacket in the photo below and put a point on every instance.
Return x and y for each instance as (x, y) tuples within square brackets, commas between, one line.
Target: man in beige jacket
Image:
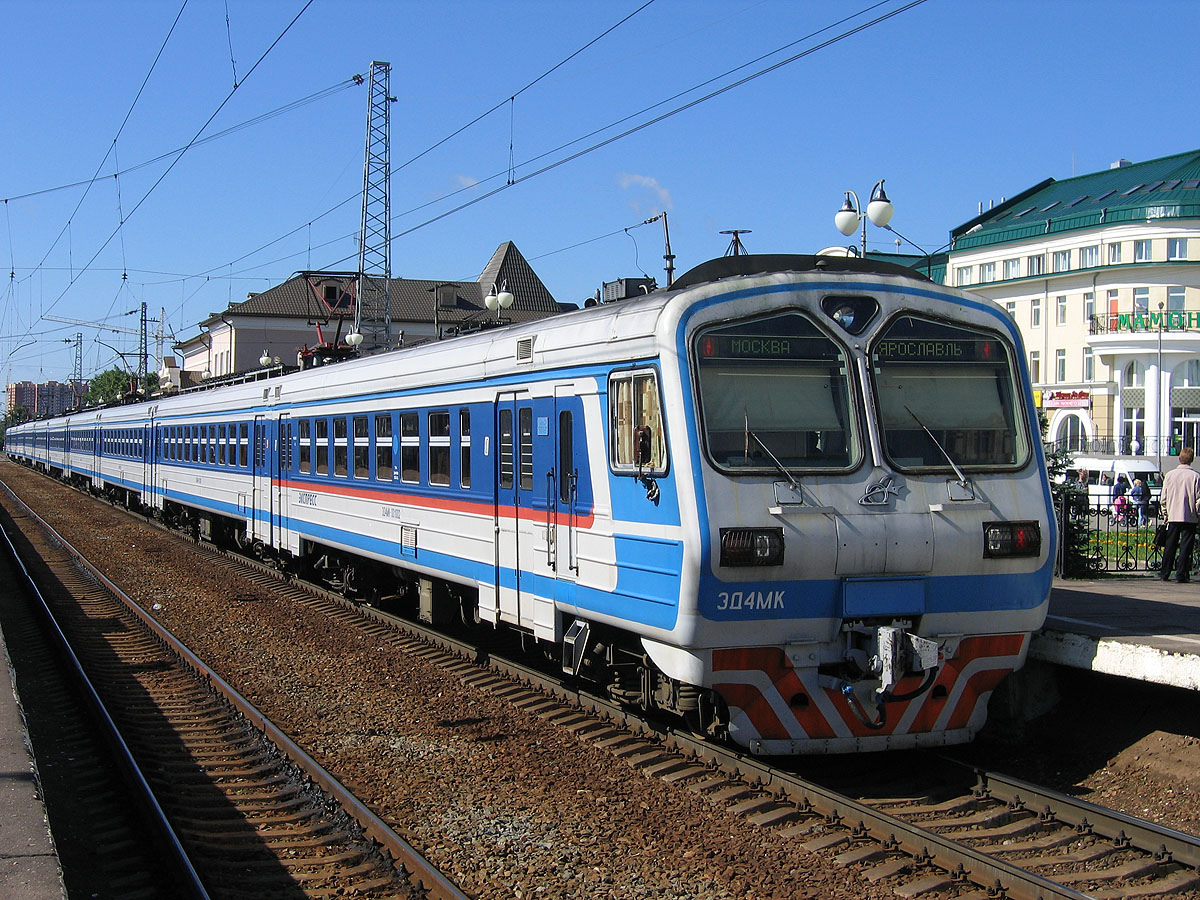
[(1180, 500)]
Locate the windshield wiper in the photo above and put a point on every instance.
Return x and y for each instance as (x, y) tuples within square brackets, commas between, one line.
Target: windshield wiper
[(962, 479), (778, 465)]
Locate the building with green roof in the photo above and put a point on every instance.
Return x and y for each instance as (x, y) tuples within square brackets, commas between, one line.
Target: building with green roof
[(1102, 274)]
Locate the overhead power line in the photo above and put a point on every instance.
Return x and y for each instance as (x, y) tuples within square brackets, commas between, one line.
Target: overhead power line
[(174, 162), (353, 81)]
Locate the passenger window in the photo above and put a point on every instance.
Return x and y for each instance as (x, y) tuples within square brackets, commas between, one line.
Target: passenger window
[(410, 448), (506, 449), (339, 447), (635, 423), (566, 458), (525, 423), (464, 448), (439, 448), (383, 448), (362, 448), (322, 446), (304, 430)]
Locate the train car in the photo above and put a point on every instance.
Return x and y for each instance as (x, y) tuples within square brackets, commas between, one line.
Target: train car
[(799, 500)]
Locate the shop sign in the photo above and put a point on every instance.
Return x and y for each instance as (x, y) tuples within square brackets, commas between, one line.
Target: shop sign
[(1065, 399), (1177, 320)]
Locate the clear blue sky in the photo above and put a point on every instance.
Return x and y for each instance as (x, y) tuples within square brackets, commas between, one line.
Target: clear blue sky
[(954, 103)]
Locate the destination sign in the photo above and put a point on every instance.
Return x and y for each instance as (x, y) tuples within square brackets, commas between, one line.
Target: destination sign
[(717, 347), (931, 349)]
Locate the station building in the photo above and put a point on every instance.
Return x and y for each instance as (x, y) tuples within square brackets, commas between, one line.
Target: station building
[(1102, 274)]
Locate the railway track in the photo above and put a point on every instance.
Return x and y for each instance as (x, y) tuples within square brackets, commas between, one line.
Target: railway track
[(941, 828), (921, 824), (244, 811)]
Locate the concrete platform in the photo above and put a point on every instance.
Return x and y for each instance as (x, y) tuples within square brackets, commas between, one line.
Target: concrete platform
[(29, 867), (1137, 627)]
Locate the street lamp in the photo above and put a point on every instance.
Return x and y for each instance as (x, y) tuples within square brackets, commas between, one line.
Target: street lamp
[(1159, 412), (498, 301), (879, 211)]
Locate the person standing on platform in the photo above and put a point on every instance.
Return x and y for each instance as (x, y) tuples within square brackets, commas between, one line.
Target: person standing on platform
[(1141, 500), (1181, 502)]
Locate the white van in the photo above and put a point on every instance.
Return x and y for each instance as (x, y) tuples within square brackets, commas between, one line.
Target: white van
[(1101, 474)]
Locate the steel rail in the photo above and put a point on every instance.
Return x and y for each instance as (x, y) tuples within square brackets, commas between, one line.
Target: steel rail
[(960, 861), (180, 862), (420, 869), (1180, 847)]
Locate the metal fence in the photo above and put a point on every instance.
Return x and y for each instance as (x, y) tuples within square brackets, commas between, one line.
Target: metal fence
[(1096, 538)]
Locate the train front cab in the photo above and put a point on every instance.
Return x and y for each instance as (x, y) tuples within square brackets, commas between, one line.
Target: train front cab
[(878, 519)]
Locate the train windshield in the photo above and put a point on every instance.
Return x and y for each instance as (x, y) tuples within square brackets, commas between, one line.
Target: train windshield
[(946, 393), (774, 393)]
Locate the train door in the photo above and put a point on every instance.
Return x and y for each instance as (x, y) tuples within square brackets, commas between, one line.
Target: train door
[(97, 448), (149, 458), (282, 468), (261, 510), (563, 485), (525, 491)]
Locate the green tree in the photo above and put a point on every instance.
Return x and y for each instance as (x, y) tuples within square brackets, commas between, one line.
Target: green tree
[(107, 387)]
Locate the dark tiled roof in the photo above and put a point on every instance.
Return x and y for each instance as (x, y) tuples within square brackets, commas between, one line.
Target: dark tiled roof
[(1159, 188), (413, 299)]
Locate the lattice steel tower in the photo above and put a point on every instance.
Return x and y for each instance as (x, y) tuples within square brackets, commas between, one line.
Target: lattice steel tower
[(373, 303), (142, 352)]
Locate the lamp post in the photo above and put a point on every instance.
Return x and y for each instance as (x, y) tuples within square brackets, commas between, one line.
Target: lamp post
[(1159, 412), (496, 301), (879, 211)]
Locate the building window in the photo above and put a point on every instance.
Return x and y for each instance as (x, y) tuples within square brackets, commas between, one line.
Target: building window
[(1114, 254), (1035, 366), (962, 275), (1190, 373), (1035, 265), (987, 272), (1141, 300), (1062, 261), (1175, 299), (1141, 251), (1060, 366), (1035, 313), (1133, 425), (1089, 364), (1135, 374), (1177, 248), (1089, 306), (1011, 306), (1089, 256), (1012, 268), (1060, 315)]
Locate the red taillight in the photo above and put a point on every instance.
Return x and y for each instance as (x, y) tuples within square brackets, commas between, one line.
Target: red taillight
[(1002, 539)]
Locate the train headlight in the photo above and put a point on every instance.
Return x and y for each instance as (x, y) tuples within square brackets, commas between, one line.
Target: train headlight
[(1001, 539), (752, 546)]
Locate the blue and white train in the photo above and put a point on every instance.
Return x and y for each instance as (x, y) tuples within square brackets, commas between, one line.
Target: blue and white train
[(799, 500)]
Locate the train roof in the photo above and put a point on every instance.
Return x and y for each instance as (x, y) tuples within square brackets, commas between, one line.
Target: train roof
[(758, 263)]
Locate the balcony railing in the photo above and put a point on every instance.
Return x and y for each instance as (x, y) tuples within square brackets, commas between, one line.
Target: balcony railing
[(1123, 446)]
